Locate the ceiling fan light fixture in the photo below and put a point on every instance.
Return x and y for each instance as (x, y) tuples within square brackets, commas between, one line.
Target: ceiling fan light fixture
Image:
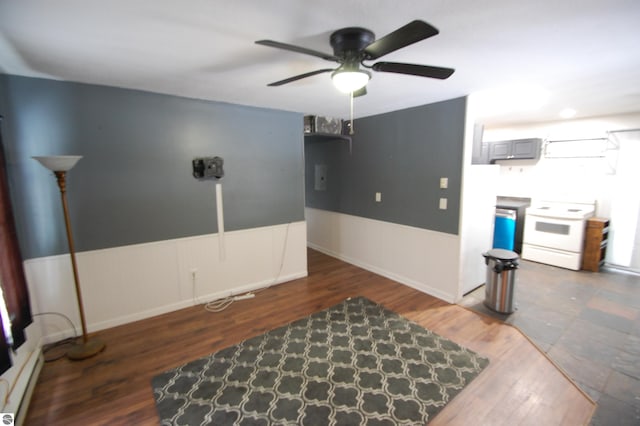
[(348, 81), (354, 45)]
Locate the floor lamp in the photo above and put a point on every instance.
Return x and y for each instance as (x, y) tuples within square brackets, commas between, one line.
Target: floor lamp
[(60, 165)]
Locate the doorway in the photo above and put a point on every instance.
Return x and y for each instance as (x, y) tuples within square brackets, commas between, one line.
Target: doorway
[(624, 245)]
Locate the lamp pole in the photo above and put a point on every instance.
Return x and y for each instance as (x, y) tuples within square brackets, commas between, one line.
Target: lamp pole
[(60, 165)]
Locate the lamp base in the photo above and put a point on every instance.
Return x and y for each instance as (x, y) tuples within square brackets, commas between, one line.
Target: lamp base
[(86, 349)]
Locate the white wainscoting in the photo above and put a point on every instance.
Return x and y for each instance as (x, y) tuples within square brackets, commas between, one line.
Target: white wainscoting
[(425, 260), (125, 284)]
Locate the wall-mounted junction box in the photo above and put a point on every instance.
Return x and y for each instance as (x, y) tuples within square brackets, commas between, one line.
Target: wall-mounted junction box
[(208, 167)]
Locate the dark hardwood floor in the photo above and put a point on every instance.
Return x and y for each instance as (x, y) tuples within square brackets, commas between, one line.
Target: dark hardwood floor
[(520, 386)]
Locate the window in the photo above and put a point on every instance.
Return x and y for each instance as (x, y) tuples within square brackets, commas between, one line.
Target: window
[(12, 280)]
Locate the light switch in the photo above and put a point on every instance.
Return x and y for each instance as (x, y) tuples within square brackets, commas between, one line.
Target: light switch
[(444, 183), (443, 203), (378, 197)]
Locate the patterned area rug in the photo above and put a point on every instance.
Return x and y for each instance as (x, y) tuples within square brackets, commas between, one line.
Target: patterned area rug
[(356, 363)]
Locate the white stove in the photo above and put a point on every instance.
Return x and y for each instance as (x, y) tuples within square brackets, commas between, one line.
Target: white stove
[(554, 233), (562, 210)]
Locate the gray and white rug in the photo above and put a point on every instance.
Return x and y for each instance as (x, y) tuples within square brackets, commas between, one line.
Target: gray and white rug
[(355, 363)]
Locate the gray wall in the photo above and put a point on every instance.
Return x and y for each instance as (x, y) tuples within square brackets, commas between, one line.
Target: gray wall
[(134, 184), (401, 154)]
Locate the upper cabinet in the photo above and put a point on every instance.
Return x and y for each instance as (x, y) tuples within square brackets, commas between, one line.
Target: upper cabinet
[(519, 149)]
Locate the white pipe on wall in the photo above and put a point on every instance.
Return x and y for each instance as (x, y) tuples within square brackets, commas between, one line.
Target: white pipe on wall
[(220, 216)]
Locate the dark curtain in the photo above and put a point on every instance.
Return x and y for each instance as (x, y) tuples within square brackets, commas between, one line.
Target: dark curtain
[(5, 358), (12, 278)]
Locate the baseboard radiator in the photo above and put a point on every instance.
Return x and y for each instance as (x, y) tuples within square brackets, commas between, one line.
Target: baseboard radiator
[(23, 406)]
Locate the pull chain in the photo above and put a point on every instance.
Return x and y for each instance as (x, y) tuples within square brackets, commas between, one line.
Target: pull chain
[(351, 116)]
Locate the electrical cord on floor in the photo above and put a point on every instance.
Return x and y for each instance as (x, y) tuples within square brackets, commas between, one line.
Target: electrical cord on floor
[(220, 305), (64, 342)]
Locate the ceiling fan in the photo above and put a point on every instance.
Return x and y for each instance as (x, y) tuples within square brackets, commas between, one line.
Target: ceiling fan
[(353, 46)]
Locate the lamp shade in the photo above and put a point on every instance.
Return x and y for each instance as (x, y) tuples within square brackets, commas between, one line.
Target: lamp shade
[(59, 163), (350, 81)]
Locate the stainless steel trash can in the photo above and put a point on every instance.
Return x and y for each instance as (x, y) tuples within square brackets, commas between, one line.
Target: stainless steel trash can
[(501, 277)]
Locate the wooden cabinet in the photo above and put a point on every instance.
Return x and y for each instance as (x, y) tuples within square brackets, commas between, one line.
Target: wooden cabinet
[(595, 243), (519, 149)]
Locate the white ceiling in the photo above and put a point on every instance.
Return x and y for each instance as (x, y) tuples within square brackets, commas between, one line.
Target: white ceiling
[(584, 54)]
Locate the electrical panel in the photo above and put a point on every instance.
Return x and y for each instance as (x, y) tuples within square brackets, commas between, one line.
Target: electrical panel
[(320, 182), (208, 167)]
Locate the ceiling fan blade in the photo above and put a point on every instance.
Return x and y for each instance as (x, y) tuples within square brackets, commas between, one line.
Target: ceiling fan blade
[(412, 69), (297, 49), (404, 36), (360, 92), (299, 77)]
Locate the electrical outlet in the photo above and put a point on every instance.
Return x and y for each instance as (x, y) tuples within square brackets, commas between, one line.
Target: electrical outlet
[(378, 197)]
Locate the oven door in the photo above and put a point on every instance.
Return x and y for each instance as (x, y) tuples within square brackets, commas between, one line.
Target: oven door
[(554, 232)]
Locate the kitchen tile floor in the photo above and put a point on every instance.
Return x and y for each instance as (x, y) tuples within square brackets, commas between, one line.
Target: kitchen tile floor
[(589, 325)]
